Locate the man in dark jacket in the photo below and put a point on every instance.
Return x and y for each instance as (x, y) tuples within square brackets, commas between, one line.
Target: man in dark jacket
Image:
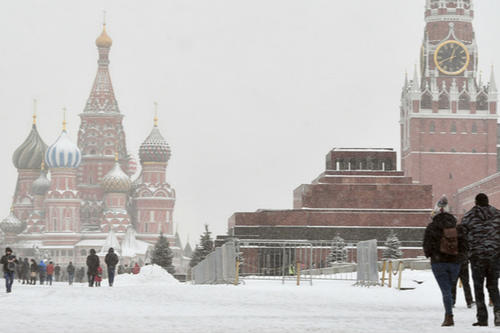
[(111, 261), (71, 272), (482, 227), (445, 266), (92, 265), (9, 262), (57, 272)]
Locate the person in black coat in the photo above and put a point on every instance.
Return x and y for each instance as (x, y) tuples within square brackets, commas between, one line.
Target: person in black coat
[(482, 227), (111, 261), (33, 271), (92, 265), (25, 271), (71, 272), (9, 262), (445, 264)]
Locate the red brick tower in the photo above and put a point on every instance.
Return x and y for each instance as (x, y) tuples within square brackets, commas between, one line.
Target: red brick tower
[(448, 116), (101, 134), (153, 197)]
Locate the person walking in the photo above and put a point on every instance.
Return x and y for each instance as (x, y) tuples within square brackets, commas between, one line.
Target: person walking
[(111, 261), (9, 262), (482, 227), (50, 272), (71, 272), (19, 268), (25, 271), (33, 271), (463, 276), (441, 245), (92, 264), (42, 271), (79, 274), (57, 272)]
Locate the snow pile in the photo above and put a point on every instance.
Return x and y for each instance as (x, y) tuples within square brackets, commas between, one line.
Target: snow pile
[(150, 274)]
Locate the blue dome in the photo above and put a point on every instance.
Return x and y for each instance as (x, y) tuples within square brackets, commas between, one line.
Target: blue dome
[(63, 153)]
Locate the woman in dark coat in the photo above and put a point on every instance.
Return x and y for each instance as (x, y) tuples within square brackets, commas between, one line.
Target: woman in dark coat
[(33, 271), (442, 245), (92, 265)]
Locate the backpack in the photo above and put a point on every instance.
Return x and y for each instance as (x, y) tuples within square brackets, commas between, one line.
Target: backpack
[(449, 241), (11, 266)]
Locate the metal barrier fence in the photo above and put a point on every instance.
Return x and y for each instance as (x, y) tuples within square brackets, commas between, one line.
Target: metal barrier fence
[(286, 260), (218, 267)]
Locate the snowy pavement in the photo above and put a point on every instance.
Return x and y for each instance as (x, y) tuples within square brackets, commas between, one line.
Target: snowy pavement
[(148, 303)]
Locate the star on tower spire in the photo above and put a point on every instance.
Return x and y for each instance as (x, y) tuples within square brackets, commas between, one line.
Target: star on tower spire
[(156, 115)]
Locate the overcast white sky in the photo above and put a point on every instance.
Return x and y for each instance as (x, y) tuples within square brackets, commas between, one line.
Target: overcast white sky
[(252, 94)]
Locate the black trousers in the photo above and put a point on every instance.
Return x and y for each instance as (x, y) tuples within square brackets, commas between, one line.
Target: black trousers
[(485, 270), (91, 280), (463, 275)]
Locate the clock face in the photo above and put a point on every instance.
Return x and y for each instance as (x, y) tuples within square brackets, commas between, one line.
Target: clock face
[(451, 57)]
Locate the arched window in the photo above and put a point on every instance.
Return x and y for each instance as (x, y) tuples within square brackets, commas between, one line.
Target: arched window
[(482, 102), (426, 101), (464, 102), (444, 101), (83, 252)]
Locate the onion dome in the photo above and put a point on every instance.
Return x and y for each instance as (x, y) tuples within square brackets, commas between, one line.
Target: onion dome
[(103, 40), (63, 153), (154, 148), (41, 185), (12, 225), (30, 153), (116, 181)]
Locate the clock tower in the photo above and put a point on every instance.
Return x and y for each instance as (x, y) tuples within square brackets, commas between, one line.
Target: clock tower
[(448, 115)]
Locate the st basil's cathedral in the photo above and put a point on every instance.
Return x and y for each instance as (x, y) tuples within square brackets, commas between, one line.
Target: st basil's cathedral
[(71, 197)]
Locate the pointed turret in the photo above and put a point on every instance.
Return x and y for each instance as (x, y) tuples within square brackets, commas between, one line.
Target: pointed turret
[(493, 84), (102, 97)]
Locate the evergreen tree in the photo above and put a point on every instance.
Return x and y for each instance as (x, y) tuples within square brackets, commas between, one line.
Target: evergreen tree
[(203, 249), (338, 251), (392, 245), (163, 255)]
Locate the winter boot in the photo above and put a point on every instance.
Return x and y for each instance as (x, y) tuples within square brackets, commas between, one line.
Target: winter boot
[(448, 321), (497, 318), (480, 323)]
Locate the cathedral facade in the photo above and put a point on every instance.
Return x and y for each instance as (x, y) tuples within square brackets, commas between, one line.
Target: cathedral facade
[(71, 197)]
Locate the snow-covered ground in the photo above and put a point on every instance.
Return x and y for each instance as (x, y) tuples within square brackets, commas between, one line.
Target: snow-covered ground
[(154, 302)]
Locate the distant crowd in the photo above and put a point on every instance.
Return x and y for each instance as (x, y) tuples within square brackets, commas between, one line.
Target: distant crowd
[(28, 271)]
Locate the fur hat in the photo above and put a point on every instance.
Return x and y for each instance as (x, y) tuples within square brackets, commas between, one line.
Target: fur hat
[(482, 200), (8, 249), (442, 206)]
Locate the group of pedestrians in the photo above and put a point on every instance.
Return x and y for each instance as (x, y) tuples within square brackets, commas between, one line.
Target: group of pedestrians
[(28, 271), (450, 246)]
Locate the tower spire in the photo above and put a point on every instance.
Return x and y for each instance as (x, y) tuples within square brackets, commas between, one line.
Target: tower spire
[(64, 119), (34, 111), (493, 84), (156, 114)]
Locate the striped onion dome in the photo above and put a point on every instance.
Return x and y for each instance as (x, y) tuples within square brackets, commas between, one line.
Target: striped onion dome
[(30, 153), (154, 148), (12, 225), (116, 181), (41, 185), (63, 153)]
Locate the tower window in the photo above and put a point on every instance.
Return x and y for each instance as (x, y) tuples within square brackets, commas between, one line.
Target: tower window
[(432, 127), (453, 150), (453, 127), (432, 150), (473, 150)]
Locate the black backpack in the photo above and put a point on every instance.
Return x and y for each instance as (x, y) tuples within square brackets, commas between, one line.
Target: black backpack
[(449, 241)]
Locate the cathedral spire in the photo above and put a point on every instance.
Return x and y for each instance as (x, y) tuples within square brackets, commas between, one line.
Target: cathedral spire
[(102, 97), (493, 84)]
